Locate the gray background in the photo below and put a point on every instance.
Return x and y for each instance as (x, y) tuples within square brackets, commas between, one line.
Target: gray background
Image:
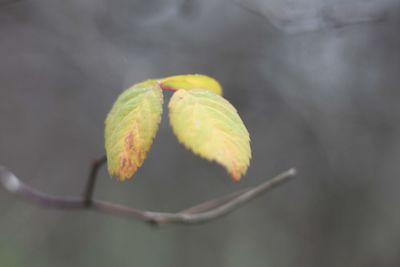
[(315, 81)]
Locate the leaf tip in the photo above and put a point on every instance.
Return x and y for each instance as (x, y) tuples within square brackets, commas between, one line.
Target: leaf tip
[(237, 172), (236, 177), (124, 170)]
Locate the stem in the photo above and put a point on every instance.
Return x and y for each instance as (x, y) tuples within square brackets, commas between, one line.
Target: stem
[(91, 182)]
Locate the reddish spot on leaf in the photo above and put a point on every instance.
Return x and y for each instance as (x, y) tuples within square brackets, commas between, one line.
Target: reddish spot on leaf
[(129, 145), (123, 163), (126, 165)]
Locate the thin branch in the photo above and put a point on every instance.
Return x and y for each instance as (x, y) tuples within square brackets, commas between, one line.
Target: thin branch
[(213, 203), (202, 213), (91, 183)]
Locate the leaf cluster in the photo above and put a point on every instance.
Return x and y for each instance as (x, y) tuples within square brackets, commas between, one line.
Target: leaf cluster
[(202, 120)]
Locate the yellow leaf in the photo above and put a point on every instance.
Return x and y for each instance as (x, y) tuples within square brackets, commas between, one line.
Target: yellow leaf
[(191, 82), (130, 128), (210, 126)]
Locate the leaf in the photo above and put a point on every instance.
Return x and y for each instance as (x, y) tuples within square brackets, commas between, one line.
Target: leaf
[(191, 82), (210, 126), (130, 128)]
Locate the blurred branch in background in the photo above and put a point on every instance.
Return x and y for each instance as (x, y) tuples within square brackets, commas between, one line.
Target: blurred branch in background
[(305, 15), (201, 213)]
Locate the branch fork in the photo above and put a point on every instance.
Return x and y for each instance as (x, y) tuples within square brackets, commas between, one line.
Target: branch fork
[(201, 213)]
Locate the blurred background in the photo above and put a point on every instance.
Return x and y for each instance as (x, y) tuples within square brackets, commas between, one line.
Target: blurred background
[(315, 81)]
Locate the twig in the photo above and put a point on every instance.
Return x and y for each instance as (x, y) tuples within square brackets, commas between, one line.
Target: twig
[(202, 213), (89, 189)]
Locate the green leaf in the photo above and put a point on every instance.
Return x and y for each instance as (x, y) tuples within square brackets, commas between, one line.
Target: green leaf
[(210, 126), (191, 82), (130, 128)]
